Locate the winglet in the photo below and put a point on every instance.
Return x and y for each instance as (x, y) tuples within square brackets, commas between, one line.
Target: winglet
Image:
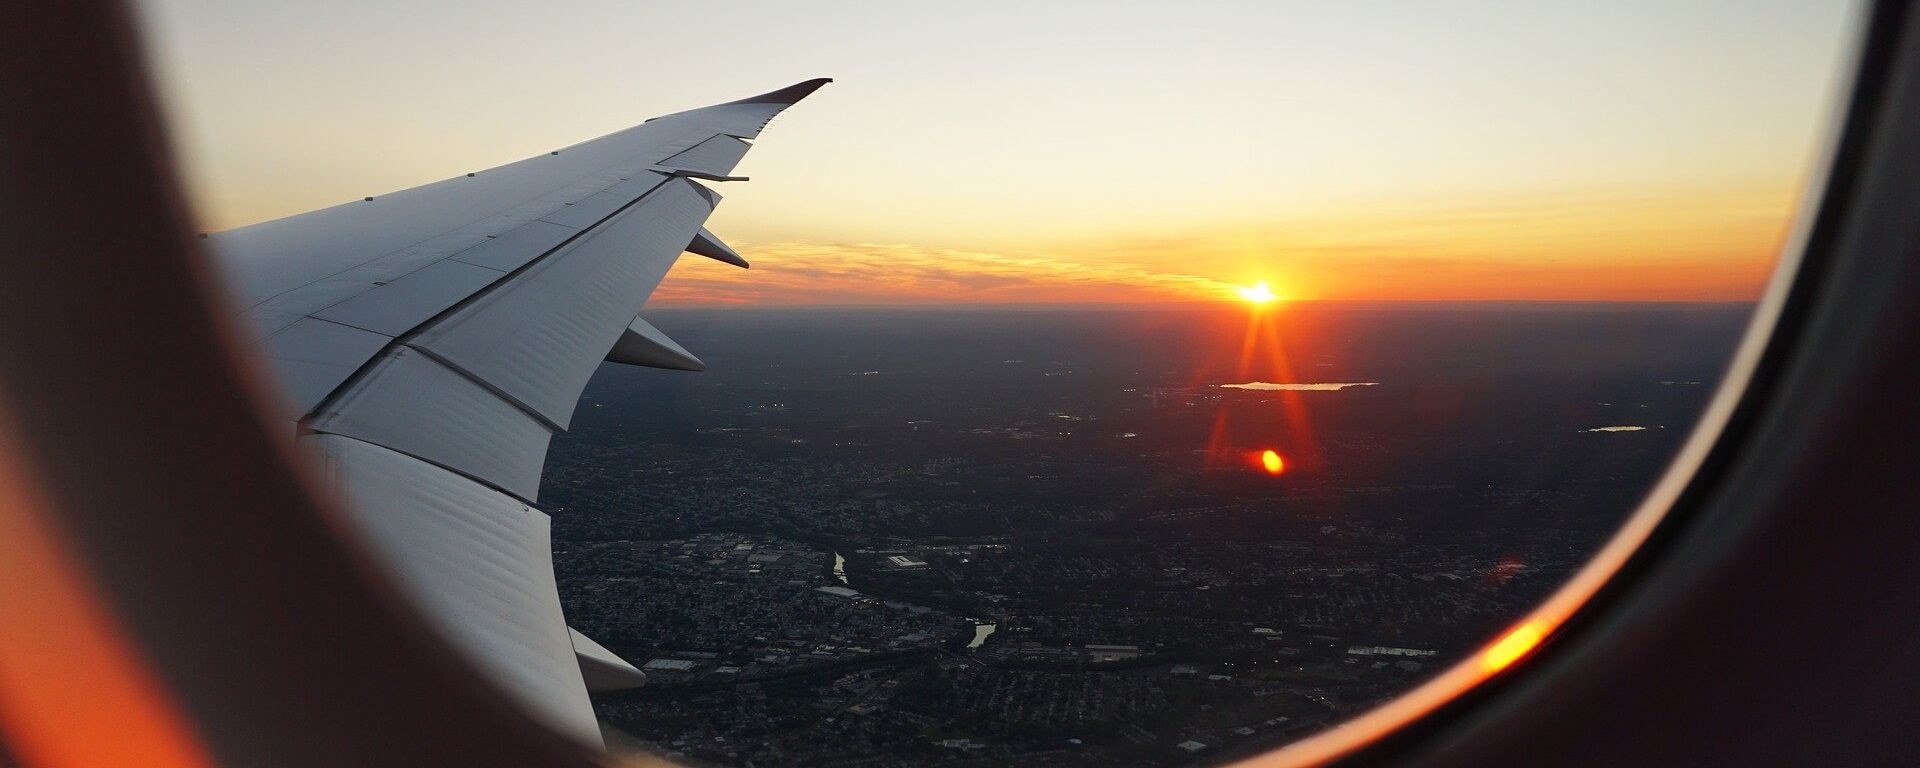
[(709, 245), (643, 344), (788, 95)]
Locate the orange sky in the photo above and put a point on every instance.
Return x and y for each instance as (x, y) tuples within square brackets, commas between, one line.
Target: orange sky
[(1076, 150), (1683, 245)]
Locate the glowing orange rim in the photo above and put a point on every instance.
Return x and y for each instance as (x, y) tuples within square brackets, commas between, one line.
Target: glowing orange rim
[(1524, 636)]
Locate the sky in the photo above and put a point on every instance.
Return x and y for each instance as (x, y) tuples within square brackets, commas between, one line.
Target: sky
[(1066, 152)]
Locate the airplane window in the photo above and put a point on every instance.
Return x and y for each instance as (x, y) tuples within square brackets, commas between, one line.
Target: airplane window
[(1121, 385)]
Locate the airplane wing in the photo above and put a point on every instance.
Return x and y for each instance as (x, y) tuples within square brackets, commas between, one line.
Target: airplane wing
[(430, 341)]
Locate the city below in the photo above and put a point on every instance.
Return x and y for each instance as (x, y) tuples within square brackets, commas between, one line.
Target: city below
[(1116, 537)]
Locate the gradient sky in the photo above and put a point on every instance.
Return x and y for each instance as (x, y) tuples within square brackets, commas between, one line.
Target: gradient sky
[(1075, 151)]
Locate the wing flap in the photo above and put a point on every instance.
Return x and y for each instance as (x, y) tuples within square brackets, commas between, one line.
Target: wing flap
[(538, 338), (315, 356), (717, 155), (400, 306), (410, 403), (514, 248), (477, 562), (595, 208)]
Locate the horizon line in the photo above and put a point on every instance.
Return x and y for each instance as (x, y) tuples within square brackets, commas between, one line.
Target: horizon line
[(1203, 304)]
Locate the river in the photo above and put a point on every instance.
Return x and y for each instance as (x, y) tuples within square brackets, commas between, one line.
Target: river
[(981, 629)]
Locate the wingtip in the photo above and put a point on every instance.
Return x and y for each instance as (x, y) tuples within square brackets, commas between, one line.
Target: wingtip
[(787, 95)]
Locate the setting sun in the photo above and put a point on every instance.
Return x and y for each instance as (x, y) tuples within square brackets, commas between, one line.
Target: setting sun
[(1259, 293)]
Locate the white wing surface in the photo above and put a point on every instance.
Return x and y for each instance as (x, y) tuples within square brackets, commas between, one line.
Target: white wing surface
[(430, 341)]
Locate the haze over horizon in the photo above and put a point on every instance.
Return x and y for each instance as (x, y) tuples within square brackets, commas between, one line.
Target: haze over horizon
[(1076, 152)]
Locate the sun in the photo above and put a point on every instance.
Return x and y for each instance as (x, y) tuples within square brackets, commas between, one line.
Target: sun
[(1259, 293)]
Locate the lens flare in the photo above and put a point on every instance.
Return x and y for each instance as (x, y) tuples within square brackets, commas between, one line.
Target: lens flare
[(1272, 463), (1259, 293)]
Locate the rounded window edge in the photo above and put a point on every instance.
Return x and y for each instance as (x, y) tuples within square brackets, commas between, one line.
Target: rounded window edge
[(1690, 478)]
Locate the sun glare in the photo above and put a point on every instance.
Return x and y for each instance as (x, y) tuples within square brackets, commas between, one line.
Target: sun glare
[(1272, 463), (1259, 293)]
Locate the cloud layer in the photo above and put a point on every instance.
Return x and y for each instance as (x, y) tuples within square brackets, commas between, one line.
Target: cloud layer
[(870, 273)]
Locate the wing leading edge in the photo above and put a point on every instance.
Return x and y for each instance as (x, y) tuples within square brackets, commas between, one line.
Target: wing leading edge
[(431, 341)]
